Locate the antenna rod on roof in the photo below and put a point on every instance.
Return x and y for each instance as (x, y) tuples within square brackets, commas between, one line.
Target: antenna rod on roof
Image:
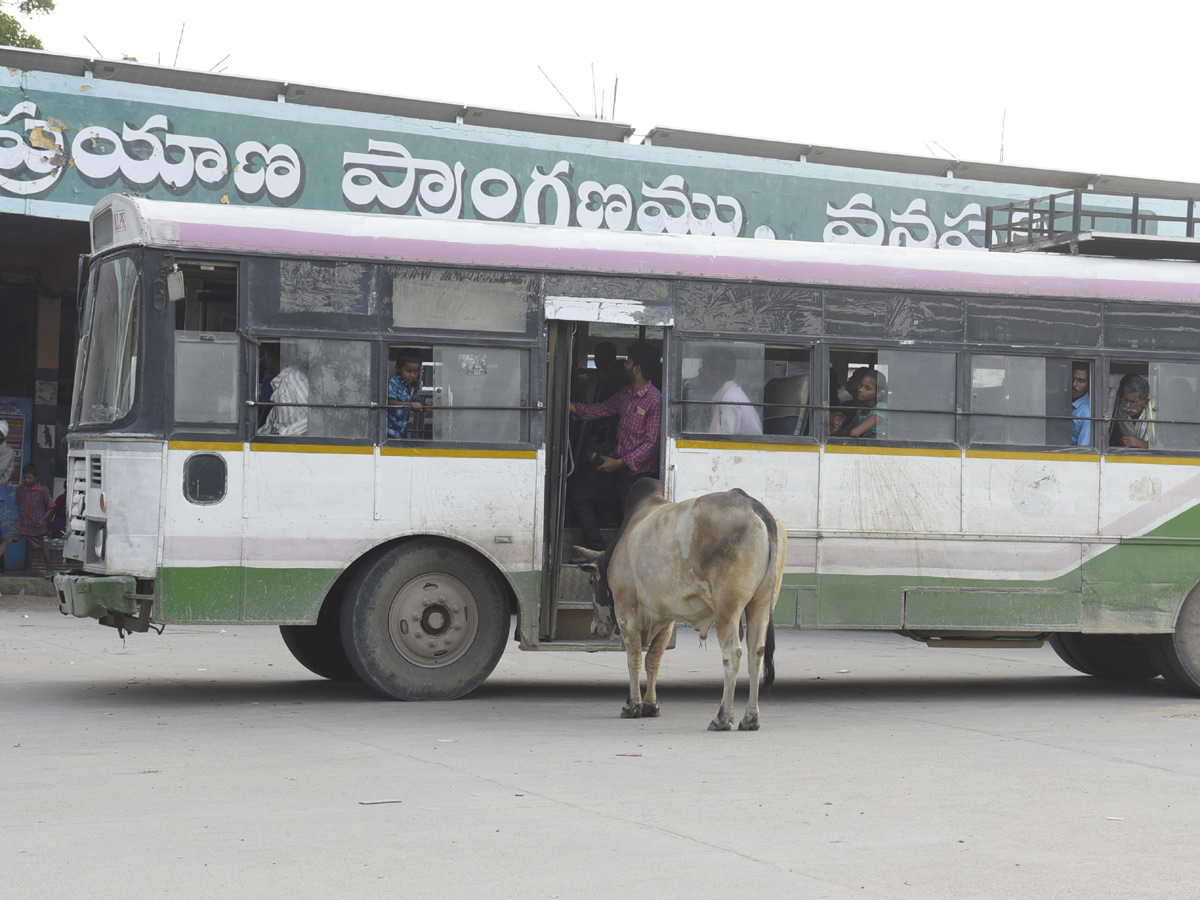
[(94, 47), (595, 115), (221, 60), (616, 80), (180, 44), (1003, 122), (560, 93)]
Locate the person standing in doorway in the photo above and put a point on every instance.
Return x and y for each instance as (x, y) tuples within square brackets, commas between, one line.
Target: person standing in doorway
[(638, 406)]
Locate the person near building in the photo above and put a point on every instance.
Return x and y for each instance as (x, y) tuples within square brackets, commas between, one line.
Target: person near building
[(35, 509)]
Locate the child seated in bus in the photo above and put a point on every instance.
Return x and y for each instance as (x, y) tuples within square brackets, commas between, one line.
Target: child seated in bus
[(870, 416)]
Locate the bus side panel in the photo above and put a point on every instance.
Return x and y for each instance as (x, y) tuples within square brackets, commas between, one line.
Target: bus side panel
[(1009, 494), (201, 573), (487, 498), (310, 512), (1151, 522), (784, 477), (882, 492)]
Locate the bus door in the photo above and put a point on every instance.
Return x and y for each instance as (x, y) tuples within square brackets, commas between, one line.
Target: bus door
[(575, 326)]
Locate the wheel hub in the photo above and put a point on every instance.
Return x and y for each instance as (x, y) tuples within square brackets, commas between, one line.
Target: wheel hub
[(432, 620)]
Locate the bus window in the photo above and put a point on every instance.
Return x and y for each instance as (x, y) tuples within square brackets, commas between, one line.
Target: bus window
[(479, 394), (1022, 400), (787, 391), (1176, 387), (462, 299), (722, 387), (910, 394), (206, 348), (315, 388)]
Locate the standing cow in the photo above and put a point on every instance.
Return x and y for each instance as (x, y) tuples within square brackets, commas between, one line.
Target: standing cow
[(705, 561)]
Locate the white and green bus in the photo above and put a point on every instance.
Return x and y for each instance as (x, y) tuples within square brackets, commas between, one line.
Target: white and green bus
[(975, 515)]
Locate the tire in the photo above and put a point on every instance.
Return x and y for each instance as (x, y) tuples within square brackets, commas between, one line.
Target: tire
[(426, 621), (1178, 654), (319, 647), (1113, 657)]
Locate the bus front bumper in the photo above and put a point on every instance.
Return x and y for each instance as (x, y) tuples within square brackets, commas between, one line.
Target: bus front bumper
[(113, 599)]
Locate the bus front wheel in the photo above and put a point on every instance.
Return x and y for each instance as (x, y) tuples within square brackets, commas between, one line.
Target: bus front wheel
[(425, 621), (1178, 654), (1114, 657)]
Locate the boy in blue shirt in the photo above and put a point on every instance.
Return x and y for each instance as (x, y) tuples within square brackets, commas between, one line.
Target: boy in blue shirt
[(404, 393)]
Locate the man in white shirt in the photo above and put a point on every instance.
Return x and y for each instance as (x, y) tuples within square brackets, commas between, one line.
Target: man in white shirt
[(289, 385), (733, 413)]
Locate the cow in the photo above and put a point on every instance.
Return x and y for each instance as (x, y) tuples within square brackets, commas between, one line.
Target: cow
[(705, 561)]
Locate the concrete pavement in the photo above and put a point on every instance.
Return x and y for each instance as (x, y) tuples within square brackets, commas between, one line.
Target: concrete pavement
[(207, 763)]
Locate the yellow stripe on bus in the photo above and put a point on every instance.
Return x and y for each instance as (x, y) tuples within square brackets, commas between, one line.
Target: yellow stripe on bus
[(745, 445), (893, 451), (313, 448), (1032, 454), (227, 446), (1160, 460), (356, 450), (458, 453)]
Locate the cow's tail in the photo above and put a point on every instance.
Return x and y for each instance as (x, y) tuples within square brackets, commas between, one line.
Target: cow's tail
[(770, 583), (769, 656)]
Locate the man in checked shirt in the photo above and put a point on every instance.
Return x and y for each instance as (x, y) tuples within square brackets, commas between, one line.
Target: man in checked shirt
[(639, 426)]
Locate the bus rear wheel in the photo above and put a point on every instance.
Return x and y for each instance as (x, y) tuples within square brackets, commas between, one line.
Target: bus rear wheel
[(319, 647), (1113, 657), (1178, 654), (425, 621)]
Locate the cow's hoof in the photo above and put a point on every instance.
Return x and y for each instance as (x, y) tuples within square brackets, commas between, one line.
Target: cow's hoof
[(715, 725), (651, 711), (631, 712), (748, 725)]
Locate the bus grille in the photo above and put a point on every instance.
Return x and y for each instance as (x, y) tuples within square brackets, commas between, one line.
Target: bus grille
[(77, 485)]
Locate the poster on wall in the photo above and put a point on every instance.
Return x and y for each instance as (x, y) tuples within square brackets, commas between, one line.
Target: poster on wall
[(17, 413)]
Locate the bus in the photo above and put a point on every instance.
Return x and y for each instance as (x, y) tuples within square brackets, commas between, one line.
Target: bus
[(994, 504)]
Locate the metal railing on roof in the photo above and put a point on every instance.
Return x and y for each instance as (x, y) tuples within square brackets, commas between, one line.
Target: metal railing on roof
[(1060, 219)]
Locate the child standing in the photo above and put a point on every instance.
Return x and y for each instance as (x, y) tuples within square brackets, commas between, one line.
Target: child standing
[(35, 508), (404, 393)]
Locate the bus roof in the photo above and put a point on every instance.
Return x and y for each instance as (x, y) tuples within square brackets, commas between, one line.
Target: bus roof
[(119, 220)]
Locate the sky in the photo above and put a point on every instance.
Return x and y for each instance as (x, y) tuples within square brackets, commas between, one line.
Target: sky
[(1058, 84)]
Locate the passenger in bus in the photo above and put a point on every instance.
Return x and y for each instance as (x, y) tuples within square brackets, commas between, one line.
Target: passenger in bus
[(597, 385), (1135, 415), (404, 394), (870, 417), (1081, 405), (843, 403), (733, 412), (639, 408), (288, 385)]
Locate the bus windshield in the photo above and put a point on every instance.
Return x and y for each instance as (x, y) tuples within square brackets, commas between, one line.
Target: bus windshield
[(108, 348)]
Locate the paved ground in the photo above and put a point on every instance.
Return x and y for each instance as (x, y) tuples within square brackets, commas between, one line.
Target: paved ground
[(206, 763)]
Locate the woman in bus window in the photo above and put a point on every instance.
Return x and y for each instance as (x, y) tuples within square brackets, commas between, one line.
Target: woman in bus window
[(870, 416)]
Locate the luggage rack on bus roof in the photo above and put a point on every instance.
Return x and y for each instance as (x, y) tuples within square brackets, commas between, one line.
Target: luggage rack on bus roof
[(1098, 223)]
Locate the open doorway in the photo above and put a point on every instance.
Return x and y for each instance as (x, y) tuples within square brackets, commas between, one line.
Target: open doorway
[(587, 366)]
